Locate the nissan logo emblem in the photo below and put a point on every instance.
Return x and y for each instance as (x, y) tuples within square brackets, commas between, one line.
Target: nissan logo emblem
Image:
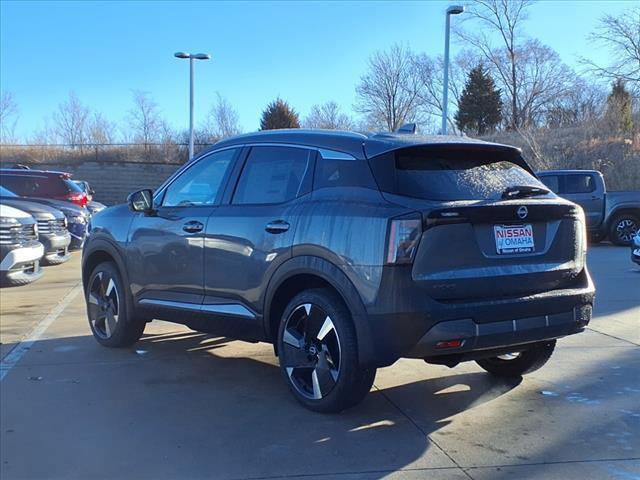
[(522, 212)]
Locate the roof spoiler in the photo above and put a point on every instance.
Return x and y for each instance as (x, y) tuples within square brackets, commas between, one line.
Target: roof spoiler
[(407, 128)]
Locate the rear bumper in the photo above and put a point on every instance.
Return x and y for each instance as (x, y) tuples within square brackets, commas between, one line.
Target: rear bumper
[(480, 325), (494, 335)]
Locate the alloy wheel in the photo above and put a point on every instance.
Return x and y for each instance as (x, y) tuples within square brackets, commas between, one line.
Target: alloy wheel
[(311, 351), (626, 229), (103, 303)]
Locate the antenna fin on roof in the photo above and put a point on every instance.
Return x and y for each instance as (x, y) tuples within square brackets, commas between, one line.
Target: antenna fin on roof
[(409, 128)]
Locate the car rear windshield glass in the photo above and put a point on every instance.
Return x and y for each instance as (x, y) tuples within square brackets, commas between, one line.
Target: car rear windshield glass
[(72, 186), (438, 175), (38, 186)]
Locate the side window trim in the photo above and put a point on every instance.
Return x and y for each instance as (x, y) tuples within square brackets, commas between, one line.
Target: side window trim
[(234, 177), (159, 200)]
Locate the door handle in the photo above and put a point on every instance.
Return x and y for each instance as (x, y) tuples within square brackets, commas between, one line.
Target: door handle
[(193, 226), (277, 226)]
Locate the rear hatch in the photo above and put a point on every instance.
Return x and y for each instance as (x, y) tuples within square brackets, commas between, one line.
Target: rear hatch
[(490, 229)]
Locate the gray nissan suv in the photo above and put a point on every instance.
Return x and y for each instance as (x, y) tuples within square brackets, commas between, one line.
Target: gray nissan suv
[(347, 252)]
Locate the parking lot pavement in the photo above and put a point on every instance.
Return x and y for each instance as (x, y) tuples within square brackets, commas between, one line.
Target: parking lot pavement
[(186, 405)]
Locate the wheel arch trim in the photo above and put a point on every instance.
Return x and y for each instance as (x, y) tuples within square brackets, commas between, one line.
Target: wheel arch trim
[(100, 245), (338, 280)]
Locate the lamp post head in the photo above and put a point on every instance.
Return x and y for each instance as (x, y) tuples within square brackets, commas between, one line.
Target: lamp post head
[(181, 55), (455, 9), (201, 56)]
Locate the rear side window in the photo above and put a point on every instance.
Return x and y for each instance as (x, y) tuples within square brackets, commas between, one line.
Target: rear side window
[(552, 182), (337, 172), (440, 174), (272, 175), (38, 186), (576, 183)]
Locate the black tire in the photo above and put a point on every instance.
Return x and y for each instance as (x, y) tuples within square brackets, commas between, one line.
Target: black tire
[(110, 310), (524, 362), (317, 338), (622, 228)]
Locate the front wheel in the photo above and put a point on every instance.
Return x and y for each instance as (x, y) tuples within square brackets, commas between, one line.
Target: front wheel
[(318, 353), (623, 228), (108, 308), (520, 363)]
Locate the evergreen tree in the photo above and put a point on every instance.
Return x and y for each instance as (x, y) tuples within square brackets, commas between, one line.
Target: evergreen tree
[(279, 114), (619, 108), (480, 106)]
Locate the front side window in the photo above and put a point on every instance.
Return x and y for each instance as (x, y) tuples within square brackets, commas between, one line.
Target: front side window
[(578, 184), (201, 183), (272, 175)]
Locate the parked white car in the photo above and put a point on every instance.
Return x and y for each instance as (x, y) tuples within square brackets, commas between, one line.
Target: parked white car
[(20, 250)]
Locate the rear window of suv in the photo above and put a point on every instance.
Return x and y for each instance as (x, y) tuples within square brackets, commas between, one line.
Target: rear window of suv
[(38, 185), (438, 174)]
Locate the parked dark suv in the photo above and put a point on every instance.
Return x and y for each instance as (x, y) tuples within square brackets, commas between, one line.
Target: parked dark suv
[(347, 252), (42, 183)]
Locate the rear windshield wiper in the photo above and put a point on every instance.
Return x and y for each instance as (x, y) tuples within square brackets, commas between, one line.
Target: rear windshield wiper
[(521, 191)]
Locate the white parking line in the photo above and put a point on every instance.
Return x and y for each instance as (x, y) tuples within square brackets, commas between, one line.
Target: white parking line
[(34, 335)]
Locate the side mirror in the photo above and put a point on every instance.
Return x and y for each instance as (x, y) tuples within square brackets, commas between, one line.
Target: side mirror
[(141, 201)]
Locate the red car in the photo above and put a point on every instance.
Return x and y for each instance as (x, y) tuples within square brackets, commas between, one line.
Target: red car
[(44, 184)]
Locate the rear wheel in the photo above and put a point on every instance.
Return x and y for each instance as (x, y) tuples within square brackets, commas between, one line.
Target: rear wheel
[(109, 310), (519, 363), (318, 353), (623, 228)]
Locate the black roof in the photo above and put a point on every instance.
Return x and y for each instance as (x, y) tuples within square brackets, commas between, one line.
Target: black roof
[(357, 144), (31, 172)]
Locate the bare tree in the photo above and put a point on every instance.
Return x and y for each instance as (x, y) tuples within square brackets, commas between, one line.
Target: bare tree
[(388, 93), (145, 123), (328, 116), (502, 19), (221, 122), (582, 103), (100, 130), (8, 117), (621, 36), (42, 136), (429, 72), (71, 121), (543, 79)]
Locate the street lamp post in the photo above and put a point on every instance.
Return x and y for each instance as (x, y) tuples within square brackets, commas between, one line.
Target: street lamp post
[(452, 10), (191, 57)]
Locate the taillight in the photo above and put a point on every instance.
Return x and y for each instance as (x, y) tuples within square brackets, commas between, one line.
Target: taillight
[(582, 232), (404, 235), (79, 198)]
